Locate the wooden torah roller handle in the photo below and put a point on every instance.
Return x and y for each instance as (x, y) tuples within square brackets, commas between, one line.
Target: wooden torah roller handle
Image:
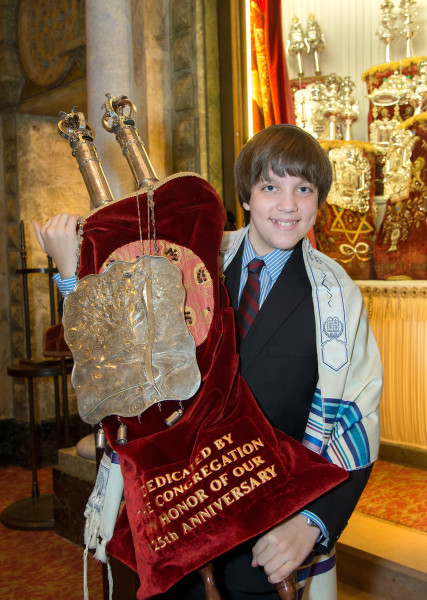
[(287, 589), (212, 592)]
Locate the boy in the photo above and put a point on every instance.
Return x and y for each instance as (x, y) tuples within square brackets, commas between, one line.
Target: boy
[(308, 355), (309, 340)]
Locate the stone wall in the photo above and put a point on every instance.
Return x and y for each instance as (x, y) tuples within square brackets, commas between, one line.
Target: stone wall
[(49, 182), (195, 89), (176, 85)]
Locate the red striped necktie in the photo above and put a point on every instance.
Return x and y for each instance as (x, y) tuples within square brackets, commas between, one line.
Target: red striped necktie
[(249, 301)]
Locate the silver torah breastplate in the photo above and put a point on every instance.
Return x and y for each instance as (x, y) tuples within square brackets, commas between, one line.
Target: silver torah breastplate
[(130, 343)]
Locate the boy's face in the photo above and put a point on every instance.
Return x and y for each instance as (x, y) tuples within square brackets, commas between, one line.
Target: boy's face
[(282, 212)]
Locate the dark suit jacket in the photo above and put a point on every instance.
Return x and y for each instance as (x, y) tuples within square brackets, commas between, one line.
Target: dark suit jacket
[(279, 363)]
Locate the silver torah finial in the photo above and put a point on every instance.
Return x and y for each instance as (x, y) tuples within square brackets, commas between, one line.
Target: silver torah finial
[(388, 31), (315, 40), (74, 128), (333, 105), (350, 106), (123, 126), (409, 29), (297, 44)]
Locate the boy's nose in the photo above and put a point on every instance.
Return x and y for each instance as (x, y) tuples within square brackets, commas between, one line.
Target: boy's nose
[(286, 202)]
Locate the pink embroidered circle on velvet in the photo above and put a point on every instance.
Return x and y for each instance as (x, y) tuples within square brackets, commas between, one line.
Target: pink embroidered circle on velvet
[(199, 303)]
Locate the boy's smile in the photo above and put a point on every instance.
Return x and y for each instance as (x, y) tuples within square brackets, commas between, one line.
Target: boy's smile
[(283, 210)]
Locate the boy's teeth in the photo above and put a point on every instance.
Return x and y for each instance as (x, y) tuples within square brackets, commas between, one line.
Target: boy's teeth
[(284, 223)]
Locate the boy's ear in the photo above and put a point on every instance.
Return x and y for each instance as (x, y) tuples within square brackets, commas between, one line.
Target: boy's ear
[(246, 206)]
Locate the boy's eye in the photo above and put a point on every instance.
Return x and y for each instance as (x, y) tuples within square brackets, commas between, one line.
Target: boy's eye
[(269, 187), (305, 189)]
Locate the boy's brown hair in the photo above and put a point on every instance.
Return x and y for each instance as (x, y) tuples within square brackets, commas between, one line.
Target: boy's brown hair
[(284, 150)]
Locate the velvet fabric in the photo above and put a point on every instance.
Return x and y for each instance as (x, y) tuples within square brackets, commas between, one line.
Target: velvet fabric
[(54, 343), (222, 474)]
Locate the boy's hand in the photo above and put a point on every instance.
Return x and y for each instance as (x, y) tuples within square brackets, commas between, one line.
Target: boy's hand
[(284, 548), (58, 238)]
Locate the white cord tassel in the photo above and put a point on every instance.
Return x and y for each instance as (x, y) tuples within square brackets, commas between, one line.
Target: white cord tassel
[(110, 580), (101, 515), (85, 586)]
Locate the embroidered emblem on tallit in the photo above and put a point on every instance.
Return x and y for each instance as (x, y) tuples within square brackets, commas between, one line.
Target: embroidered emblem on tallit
[(333, 327), (131, 347), (329, 305)]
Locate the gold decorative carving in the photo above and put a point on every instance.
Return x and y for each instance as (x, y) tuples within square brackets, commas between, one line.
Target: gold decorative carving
[(46, 29)]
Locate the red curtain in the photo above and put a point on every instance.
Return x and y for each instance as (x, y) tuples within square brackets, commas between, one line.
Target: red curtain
[(272, 101), (271, 91)]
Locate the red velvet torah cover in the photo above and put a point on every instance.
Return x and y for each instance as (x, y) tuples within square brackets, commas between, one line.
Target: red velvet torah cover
[(222, 474)]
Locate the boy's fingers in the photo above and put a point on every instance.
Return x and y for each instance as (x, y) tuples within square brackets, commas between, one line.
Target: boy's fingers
[(37, 229), (62, 222), (72, 222)]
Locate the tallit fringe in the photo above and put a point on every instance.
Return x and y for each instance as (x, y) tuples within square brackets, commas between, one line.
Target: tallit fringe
[(91, 531), (85, 587), (101, 514), (100, 554), (93, 514), (101, 551)]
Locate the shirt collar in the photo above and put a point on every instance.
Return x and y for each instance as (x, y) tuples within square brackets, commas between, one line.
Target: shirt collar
[(274, 260)]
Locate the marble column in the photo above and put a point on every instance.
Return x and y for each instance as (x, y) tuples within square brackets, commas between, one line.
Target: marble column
[(109, 69)]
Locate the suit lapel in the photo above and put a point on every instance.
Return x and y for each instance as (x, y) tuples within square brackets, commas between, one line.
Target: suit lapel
[(232, 277), (290, 289)]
